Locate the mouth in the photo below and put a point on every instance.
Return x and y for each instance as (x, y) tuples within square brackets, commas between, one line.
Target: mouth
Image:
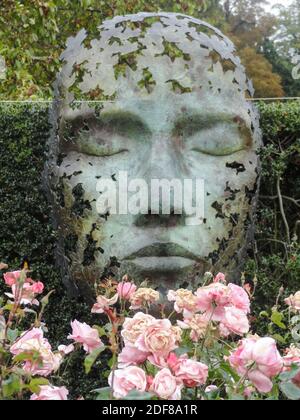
[(163, 256)]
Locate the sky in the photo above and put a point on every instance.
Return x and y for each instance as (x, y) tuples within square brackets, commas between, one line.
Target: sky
[(273, 2)]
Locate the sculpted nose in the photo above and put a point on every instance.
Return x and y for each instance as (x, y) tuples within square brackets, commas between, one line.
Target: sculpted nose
[(162, 161), (162, 175)]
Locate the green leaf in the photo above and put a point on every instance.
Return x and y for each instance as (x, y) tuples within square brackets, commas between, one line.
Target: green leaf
[(103, 393), (12, 335), (136, 395), (276, 318), (91, 358), (290, 390), (236, 397), (11, 386), (33, 356), (100, 330), (36, 383), (289, 375)]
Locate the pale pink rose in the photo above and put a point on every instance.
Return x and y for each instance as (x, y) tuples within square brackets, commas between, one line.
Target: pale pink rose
[(211, 388), (66, 349), (103, 304), (37, 287), (125, 380), (26, 295), (239, 298), (184, 300), (197, 323), (34, 341), (294, 301), (130, 355), (258, 359), (235, 321), (3, 267), (166, 386), (292, 357), (261, 382), (51, 393), (126, 289), (249, 391), (215, 294), (220, 278), (190, 372), (267, 357), (143, 296), (84, 334), (12, 277), (134, 327), (158, 338)]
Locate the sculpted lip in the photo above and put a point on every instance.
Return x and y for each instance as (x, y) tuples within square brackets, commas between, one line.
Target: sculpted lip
[(163, 250)]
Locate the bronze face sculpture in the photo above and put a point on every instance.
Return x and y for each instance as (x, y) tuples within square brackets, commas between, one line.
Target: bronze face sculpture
[(153, 96)]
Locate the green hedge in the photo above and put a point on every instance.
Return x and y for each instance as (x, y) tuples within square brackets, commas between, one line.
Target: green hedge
[(25, 228)]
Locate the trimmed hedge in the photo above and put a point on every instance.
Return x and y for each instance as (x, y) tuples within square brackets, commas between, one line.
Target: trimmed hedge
[(25, 228)]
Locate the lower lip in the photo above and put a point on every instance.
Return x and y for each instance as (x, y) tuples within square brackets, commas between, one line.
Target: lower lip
[(162, 263)]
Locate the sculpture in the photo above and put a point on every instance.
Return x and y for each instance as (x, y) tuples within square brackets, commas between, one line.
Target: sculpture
[(154, 96)]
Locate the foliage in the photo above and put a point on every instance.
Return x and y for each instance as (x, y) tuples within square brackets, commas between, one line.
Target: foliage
[(276, 252), (37, 32)]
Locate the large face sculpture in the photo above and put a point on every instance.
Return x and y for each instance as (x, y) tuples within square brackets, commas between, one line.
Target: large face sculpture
[(153, 96)]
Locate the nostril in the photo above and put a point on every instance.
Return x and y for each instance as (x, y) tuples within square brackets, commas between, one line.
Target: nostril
[(159, 220)]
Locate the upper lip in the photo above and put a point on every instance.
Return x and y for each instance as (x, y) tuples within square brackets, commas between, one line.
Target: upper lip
[(163, 250)]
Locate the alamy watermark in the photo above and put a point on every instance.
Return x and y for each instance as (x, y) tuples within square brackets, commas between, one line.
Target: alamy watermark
[(157, 196)]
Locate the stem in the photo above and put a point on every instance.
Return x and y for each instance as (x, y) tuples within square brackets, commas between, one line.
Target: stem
[(282, 211)]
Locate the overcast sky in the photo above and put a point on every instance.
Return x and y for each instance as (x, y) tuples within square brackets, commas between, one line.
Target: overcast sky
[(282, 2)]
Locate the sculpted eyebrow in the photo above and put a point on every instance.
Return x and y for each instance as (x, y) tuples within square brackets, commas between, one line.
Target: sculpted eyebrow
[(123, 122), (116, 120), (196, 122)]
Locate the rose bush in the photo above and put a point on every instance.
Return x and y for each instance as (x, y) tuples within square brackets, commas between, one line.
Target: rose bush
[(201, 348)]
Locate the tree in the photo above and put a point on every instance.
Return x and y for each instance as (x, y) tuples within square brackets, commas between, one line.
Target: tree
[(37, 31), (249, 27)]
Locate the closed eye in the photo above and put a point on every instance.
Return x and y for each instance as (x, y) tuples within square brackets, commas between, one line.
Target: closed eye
[(214, 135), (109, 135)]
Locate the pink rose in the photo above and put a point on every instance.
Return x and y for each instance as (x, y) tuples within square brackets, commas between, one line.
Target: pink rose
[(66, 349), (239, 298), (220, 278), (211, 388), (131, 356), (234, 321), (84, 334), (37, 287), (158, 338), (34, 341), (215, 294), (185, 300), (126, 290), (294, 301), (258, 359), (197, 323), (125, 380), (134, 327), (103, 304), (190, 372), (12, 277), (27, 293), (3, 266), (50, 393), (166, 386), (292, 357)]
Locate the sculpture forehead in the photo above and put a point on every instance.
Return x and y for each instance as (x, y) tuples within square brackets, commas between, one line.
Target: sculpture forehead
[(147, 51)]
